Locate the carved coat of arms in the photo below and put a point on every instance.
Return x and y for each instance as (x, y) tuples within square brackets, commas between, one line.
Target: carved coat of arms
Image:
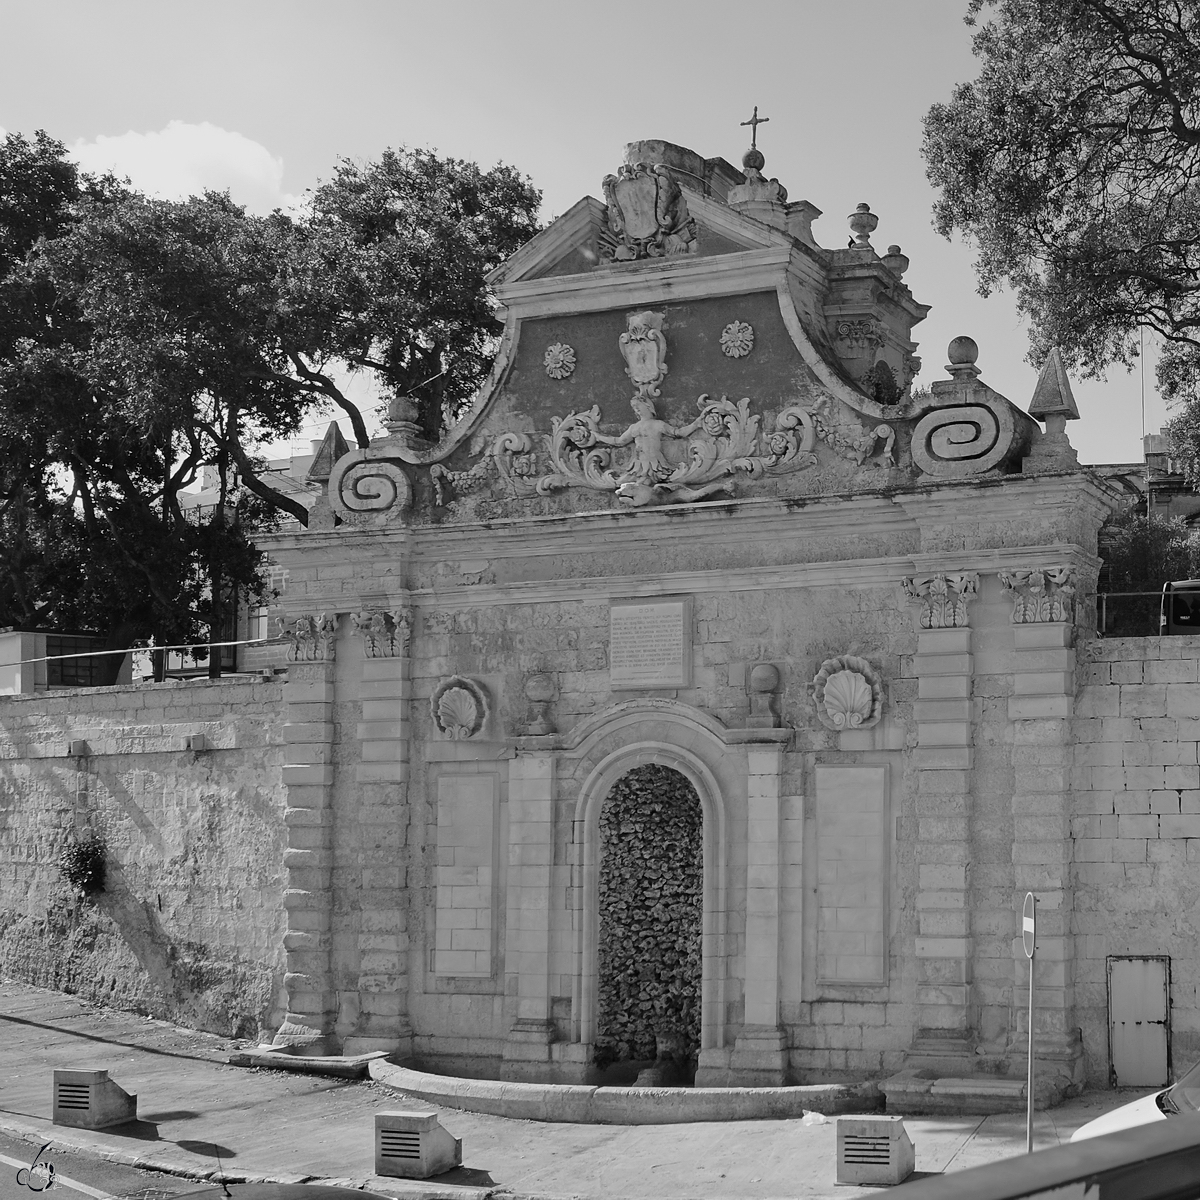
[(647, 215)]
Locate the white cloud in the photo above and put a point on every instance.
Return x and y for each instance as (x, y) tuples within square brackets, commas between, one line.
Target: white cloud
[(184, 159)]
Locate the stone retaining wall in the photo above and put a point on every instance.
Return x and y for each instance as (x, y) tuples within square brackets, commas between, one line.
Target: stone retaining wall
[(1136, 828), (190, 924)]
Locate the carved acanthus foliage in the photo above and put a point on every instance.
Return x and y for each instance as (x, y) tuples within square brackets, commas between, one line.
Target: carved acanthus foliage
[(647, 215), (848, 693), (309, 638), (385, 634), (943, 598), (459, 708), (1040, 596)]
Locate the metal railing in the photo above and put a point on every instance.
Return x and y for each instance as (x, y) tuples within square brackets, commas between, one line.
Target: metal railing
[(1128, 614)]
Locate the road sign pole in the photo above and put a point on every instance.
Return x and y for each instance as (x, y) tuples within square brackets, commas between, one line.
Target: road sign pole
[(1029, 939)]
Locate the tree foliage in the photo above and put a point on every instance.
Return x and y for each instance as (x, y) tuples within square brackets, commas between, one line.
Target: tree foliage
[(1072, 164), (143, 341), (1140, 554)]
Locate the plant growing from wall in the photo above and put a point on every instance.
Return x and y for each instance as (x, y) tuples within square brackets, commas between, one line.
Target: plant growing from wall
[(651, 908), (82, 864)]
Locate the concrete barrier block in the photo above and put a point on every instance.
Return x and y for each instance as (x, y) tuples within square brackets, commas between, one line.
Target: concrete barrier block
[(873, 1150), (413, 1145), (90, 1100)]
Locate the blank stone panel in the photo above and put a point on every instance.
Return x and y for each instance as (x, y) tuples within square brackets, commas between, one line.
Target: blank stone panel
[(465, 875), (852, 869)]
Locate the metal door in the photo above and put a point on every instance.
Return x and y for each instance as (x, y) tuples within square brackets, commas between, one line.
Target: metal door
[(1139, 1020)]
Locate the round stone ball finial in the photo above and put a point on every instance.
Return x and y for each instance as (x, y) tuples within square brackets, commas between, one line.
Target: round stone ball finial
[(963, 351), (753, 159), (764, 678)]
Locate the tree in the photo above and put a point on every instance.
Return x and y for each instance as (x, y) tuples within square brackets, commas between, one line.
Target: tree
[(1139, 554), (1072, 163), (142, 341)]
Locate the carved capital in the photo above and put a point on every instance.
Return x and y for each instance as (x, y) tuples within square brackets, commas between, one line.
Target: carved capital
[(385, 634), (848, 693), (943, 599), (1041, 596), (310, 638)]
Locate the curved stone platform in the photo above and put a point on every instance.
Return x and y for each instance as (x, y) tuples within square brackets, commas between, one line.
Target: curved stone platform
[(584, 1105)]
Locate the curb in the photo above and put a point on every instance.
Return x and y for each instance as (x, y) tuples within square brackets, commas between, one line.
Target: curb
[(584, 1105), (400, 1189)]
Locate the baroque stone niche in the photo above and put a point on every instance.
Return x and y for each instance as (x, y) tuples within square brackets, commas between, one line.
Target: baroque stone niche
[(848, 694), (459, 707)]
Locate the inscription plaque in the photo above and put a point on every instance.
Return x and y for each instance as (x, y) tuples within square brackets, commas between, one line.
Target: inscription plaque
[(650, 643)]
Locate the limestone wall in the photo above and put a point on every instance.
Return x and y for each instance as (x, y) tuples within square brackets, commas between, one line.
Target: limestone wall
[(1136, 828), (189, 926)]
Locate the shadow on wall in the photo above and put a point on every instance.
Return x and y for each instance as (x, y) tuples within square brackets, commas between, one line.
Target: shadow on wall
[(113, 948)]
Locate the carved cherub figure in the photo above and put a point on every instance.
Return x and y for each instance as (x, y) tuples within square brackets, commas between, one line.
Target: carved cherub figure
[(649, 464)]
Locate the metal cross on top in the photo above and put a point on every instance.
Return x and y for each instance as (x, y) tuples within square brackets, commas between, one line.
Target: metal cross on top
[(754, 122)]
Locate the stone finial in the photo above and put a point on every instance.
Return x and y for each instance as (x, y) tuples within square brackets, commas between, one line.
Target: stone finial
[(1052, 394), (962, 353), (539, 691), (1054, 404), (763, 684), (896, 261), (863, 223), (332, 447)]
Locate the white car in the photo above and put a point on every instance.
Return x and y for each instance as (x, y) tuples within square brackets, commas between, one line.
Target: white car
[(1181, 1098)]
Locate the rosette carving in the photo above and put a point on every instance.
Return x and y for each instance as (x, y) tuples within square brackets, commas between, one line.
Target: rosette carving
[(737, 339), (848, 694), (459, 708), (367, 487), (559, 360)]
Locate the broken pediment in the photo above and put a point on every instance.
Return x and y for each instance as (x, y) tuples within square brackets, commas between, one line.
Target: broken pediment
[(685, 340)]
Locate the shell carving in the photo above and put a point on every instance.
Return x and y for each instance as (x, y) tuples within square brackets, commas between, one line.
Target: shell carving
[(458, 712), (459, 707), (847, 699), (848, 694)]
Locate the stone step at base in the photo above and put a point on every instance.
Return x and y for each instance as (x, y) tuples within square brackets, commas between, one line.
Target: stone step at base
[(978, 1095)]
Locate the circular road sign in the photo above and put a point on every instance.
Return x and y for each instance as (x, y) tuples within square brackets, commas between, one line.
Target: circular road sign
[(1028, 924)]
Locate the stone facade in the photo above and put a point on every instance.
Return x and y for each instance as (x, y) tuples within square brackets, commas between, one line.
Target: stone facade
[(696, 518)]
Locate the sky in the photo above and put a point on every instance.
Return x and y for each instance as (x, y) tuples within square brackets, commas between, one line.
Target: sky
[(264, 96)]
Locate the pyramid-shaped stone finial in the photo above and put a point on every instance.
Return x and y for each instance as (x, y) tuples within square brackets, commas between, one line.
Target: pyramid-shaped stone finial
[(331, 449), (1052, 396)]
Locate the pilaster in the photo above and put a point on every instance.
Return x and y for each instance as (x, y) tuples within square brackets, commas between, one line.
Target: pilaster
[(944, 758), (527, 912), (759, 1056), (1040, 708), (381, 775), (308, 734)]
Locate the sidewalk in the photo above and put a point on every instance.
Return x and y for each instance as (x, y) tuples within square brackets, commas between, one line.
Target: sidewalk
[(284, 1127)]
